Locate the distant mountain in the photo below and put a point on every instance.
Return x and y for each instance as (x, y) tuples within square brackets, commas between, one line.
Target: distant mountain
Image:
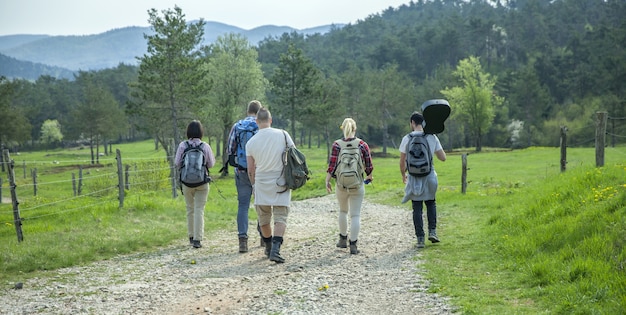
[(13, 68), (109, 49)]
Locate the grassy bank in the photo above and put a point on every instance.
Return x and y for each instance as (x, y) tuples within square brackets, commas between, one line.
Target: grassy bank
[(524, 239)]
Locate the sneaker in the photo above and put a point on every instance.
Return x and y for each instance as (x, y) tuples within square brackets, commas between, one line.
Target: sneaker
[(432, 236), (196, 244), (420, 242), (243, 244), (191, 241)]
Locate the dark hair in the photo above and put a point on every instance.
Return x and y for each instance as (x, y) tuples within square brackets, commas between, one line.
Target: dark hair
[(417, 118), (254, 106), (195, 130)]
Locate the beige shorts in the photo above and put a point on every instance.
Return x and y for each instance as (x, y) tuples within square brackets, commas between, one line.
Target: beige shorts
[(264, 213)]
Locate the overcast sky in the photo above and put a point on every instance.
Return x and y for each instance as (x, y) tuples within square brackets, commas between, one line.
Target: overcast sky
[(86, 17)]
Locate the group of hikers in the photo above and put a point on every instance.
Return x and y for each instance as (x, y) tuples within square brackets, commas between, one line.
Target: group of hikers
[(255, 150)]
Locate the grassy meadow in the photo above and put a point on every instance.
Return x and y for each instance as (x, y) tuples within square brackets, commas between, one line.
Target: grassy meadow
[(524, 239)]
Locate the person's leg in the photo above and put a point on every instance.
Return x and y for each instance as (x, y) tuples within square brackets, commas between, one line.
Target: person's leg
[(280, 214), (244, 193), (431, 213), (418, 222), (344, 207), (200, 197), (189, 205), (264, 214), (355, 201)]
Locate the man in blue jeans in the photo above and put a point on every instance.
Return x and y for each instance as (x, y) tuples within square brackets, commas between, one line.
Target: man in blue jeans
[(239, 135)]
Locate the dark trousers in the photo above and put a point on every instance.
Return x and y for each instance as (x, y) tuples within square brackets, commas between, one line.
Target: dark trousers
[(431, 214)]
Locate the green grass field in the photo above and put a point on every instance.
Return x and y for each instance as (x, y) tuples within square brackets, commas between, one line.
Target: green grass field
[(524, 239)]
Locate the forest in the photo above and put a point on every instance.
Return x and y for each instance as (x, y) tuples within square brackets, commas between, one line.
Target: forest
[(514, 72)]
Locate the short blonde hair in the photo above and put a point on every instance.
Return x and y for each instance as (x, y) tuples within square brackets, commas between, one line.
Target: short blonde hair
[(349, 128)]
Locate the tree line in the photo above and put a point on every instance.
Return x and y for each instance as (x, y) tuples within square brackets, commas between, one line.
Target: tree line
[(514, 72)]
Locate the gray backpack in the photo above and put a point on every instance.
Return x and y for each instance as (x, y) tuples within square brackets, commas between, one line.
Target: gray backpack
[(419, 159), (193, 172)]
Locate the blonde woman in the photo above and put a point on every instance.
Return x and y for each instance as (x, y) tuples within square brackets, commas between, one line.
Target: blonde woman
[(349, 198)]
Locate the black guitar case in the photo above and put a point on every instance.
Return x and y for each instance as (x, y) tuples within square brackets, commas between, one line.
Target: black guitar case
[(435, 113)]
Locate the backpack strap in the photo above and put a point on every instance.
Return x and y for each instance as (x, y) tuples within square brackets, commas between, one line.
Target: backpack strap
[(284, 157)]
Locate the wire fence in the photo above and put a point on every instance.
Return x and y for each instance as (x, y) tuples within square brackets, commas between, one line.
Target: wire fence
[(55, 188)]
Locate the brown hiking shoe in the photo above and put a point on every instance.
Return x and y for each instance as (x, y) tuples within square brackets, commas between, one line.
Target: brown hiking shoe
[(353, 249), (243, 244), (343, 241)]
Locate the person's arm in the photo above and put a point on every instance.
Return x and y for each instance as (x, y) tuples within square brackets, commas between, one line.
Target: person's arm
[(439, 152), (332, 165), (329, 187), (231, 148), (179, 155), (367, 160), (441, 155), (403, 166), (251, 168), (209, 157)]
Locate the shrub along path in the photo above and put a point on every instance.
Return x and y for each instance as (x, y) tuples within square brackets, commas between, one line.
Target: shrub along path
[(317, 277)]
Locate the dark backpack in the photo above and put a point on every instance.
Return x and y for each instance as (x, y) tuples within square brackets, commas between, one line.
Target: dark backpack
[(349, 171), (295, 170), (193, 171), (419, 159), (244, 130)]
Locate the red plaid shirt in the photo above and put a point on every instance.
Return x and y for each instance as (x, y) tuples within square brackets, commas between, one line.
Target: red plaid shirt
[(365, 156)]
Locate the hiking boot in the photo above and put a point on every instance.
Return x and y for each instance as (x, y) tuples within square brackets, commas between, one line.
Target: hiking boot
[(243, 244), (343, 241), (432, 236), (196, 244), (353, 249), (420, 242), (275, 252), (268, 246)]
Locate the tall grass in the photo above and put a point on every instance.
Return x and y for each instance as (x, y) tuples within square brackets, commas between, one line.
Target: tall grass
[(524, 239)]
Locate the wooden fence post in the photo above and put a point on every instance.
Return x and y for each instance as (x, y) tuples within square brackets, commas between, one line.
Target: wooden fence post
[(35, 181), (601, 118), (2, 160), (17, 221), (80, 180), (127, 176), (171, 157), (74, 184), (120, 178), (24, 168), (1, 188), (464, 173), (563, 148)]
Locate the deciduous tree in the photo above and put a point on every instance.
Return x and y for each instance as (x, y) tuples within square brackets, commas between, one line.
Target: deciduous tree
[(474, 99)]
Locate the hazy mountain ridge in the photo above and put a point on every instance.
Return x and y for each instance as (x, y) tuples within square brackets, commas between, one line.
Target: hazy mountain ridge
[(109, 49)]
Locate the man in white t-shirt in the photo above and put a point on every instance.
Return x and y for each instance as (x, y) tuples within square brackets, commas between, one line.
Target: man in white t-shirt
[(421, 189), (265, 168)]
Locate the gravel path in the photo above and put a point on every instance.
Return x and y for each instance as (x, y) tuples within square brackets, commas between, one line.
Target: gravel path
[(317, 277)]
